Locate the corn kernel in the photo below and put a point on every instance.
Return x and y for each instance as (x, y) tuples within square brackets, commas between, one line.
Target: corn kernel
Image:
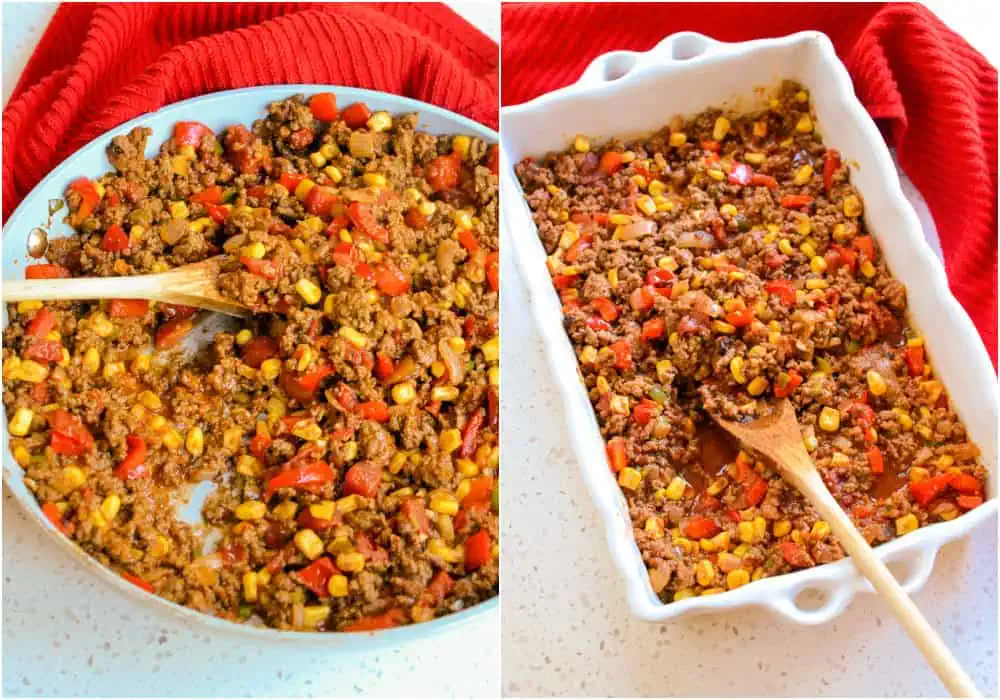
[(646, 205), (315, 615), (816, 284), (907, 523), (581, 144), (654, 527), (821, 529), (150, 400), (380, 121), (782, 528), (728, 210), (450, 440), (178, 210), (804, 125), (248, 465), (745, 531), (309, 543), (317, 159), (491, 349), (720, 129), (852, 206), (675, 491), (818, 265), (351, 561), (251, 510), (141, 363), (70, 479), (757, 386), (803, 174), (285, 510), (20, 424), (250, 586), (195, 441), (338, 586), (716, 174), (737, 578), (829, 419), (723, 327), (754, 158), (683, 594), (876, 384), (110, 506), (704, 572), (308, 290), (629, 478), (255, 250), (868, 269), (443, 502), (172, 439), (270, 368)]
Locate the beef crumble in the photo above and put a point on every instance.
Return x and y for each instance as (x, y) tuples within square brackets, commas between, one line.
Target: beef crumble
[(350, 427), (719, 264)]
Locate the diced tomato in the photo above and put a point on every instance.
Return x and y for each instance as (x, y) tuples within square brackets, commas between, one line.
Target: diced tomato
[(783, 289), (306, 476), (606, 308), (564, 281), (642, 298), (324, 106), (383, 366), (46, 272), (44, 351), (115, 240), (303, 387), (700, 527), (370, 623), (744, 467), (128, 308), (477, 550), (390, 280), (88, 200), (439, 588), (442, 173), (644, 411), (796, 555), (412, 510), (741, 318), (320, 201), (767, 181), (709, 145), (356, 115), (307, 520), (136, 581), (346, 255), (794, 380), (316, 577), (268, 269), (839, 256), (658, 277), (258, 349), (707, 503), (653, 328), (617, 457), (925, 491), (480, 490), (969, 502), (611, 162), (915, 360), (134, 464), (774, 260), (374, 410), (470, 433), (259, 444), (415, 219), (209, 195), (51, 511), (795, 201), (190, 133), (622, 350), (831, 164), (69, 436), (865, 245), (218, 214), (468, 240), (875, 460), (171, 333), (41, 324), (361, 216), (862, 414), (756, 491), (363, 479), (178, 310), (597, 323), (966, 484), (493, 159), (291, 181), (741, 174)]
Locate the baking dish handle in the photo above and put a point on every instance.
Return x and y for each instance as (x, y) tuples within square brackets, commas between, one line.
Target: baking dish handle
[(683, 46)]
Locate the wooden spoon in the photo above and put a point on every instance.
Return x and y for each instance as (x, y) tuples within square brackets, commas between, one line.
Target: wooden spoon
[(196, 284), (777, 436)]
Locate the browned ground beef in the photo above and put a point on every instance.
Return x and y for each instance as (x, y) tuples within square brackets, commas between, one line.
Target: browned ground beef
[(351, 429), (710, 268)]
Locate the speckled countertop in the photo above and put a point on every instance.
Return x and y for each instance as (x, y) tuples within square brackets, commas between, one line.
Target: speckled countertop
[(66, 634)]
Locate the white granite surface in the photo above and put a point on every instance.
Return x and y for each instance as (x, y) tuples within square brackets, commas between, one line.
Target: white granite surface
[(65, 634)]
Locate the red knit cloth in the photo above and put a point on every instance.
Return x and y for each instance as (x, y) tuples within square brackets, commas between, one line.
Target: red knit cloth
[(99, 65), (934, 96)]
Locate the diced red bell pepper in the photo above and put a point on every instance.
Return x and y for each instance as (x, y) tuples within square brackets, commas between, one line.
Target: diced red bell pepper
[(136, 581), (44, 351), (303, 387), (316, 577), (744, 467), (259, 444), (443, 172), (862, 414), (700, 527), (966, 484), (209, 195), (477, 550), (361, 216), (320, 201), (969, 502), (258, 349), (865, 245), (759, 179), (370, 623), (611, 162), (268, 269), (218, 214), (439, 588), (363, 479), (644, 411), (324, 106), (875, 460), (480, 491), (190, 133), (915, 360), (617, 457), (468, 240), (756, 491), (356, 115), (305, 476), (114, 240), (795, 201), (925, 491), (564, 281), (796, 555), (46, 272), (291, 181), (470, 433), (596, 323), (390, 280), (374, 410), (493, 159), (831, 164), (622, 350), (741, 318), (658, 277), (579, 245), (412, 510), (134, 464), (179, 311), (606, 308), (741, 174), (839, 256), (128, 308), (383, 366), (365, 546), (88, 200), (307, 520), (171, 333), (51, 511), (653, 328), (415, 219), (69, 436), (642, 298), (41, 324), (794, 381), (783, 289)]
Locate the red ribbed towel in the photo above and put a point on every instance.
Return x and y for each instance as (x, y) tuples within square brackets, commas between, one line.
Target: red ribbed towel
[(99, 65), (933, 94)]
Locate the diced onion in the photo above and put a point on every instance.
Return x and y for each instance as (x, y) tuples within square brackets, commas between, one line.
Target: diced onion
[(361, 144), (695, 239), (451, 359), (638, 229)]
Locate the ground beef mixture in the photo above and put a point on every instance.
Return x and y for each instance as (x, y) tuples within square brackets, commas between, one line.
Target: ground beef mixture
[(716, 266), (350, 427)]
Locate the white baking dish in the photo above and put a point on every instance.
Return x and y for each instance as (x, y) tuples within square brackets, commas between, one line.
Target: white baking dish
[(217, 110), (624, 93)]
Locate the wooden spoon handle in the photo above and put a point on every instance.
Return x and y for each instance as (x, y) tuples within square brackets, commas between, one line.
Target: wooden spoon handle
[(923, 635), (136, 287)]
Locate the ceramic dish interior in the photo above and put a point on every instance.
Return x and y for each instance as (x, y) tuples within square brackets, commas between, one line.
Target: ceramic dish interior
[(217, 111), (683, 75)]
